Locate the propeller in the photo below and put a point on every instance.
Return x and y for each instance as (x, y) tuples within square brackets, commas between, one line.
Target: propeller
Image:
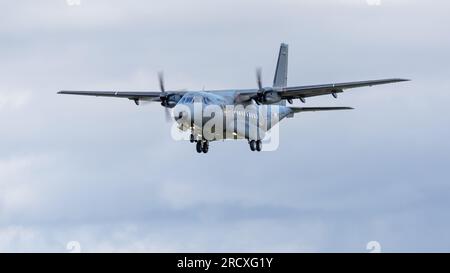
[(161, 81), (265, 95), (259, 78), (164, 96), (260, 94)]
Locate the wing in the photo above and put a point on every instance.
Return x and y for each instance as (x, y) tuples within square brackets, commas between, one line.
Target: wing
[(136, 96), (327, 89), (129, 95), (302, 92)]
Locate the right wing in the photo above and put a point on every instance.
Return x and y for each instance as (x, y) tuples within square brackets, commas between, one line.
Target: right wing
[(153, 96), (136, 96)]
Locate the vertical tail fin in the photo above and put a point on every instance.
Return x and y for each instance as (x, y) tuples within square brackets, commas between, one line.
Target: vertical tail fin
[(280, 79)]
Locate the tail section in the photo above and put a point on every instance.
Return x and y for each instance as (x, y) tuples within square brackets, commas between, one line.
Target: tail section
[(280, 79)]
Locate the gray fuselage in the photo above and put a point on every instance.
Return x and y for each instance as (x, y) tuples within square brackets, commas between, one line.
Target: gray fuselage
[(217, 116)]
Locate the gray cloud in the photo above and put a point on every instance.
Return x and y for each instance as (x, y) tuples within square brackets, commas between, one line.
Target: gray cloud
[(106, 173)]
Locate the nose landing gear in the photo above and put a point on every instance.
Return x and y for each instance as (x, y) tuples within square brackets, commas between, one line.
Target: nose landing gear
[(202, 146)]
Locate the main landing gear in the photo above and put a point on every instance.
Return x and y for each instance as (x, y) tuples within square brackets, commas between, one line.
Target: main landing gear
[(202, 146), (255, 145)]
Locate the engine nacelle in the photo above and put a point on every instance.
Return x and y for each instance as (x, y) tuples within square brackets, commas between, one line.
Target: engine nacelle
[(170, 101), (271, 97)]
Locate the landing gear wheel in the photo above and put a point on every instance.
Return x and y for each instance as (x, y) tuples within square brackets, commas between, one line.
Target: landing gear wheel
[(252, 145), (199, 147), (192, 138), (205, 147), (259, 145)]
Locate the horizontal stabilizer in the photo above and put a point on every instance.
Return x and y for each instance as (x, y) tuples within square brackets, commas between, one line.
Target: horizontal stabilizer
[(315, 109)]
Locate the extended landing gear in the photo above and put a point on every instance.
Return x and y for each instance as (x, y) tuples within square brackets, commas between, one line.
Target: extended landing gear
[(192, 138), (252, 145), (199, 147), (259, 145), (202, 146), (255, 145), (205, 147)]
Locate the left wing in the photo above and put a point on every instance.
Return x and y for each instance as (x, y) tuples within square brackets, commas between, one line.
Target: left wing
[(302, 92), (327, 89)]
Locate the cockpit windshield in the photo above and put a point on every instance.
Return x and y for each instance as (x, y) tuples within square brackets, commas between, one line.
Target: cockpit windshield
[(186, 100), (207, 100), (198, 99)]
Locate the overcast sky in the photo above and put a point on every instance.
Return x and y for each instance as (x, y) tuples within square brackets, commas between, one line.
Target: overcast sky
[(107, 174)]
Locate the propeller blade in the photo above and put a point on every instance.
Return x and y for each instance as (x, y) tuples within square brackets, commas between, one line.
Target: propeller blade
[(161, 82), (259, 78), (167, 114)]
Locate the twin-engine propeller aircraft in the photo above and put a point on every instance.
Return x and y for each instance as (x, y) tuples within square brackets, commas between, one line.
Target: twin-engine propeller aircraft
[(238, 114)]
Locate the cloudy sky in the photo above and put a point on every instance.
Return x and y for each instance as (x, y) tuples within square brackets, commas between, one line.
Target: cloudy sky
[(108, 175)]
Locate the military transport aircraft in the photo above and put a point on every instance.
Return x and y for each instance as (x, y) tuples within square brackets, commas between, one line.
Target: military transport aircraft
[(259, 109)]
